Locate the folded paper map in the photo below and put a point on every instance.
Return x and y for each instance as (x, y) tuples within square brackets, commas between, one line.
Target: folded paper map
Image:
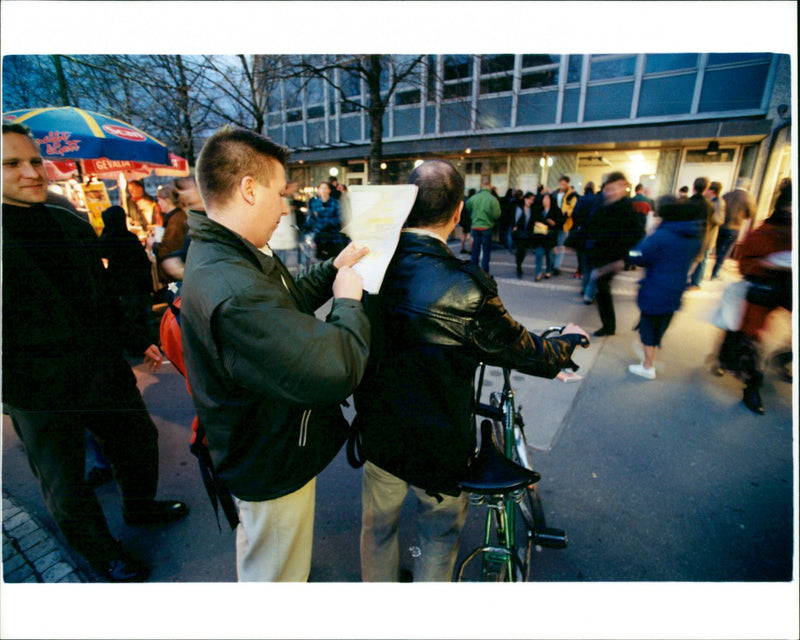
[(373, 217)]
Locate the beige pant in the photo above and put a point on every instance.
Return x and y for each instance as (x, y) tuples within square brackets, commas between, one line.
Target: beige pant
[(273, 539)]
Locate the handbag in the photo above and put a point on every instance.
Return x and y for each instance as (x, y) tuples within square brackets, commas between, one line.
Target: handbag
[(540, 228)]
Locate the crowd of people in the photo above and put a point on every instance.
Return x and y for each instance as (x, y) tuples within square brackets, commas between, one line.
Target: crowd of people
[(268, 377)]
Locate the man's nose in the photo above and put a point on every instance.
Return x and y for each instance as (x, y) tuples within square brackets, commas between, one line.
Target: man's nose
[(30, 171)]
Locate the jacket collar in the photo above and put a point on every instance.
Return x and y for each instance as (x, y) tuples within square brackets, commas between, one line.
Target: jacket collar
[(204, 229), (425, 244)]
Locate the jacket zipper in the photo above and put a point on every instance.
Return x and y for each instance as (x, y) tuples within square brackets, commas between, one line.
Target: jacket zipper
[(304, 428)]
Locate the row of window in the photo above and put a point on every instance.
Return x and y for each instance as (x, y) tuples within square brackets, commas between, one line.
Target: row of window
[(451, 93)]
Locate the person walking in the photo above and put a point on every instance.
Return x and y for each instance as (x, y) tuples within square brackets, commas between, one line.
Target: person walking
[(706, 211), (739, 206), (484, 212), (565, 199), (63, 368), (267, 377), (522, 230), (611, 232), (666, 255), (433, 321), (547, 220)]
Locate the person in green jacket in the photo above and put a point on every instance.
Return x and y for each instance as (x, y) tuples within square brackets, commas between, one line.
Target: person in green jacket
[(267, 376), (484, 211)]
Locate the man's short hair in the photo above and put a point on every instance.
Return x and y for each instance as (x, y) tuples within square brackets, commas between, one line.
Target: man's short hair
[(614, 176), (564, 178), (715, 186), (440, 188), (230, 154), (638, 187), (486, 181), (14, 127), (700, 185)]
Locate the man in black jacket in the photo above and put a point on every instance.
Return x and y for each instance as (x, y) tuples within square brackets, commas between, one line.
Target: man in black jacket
[(63, 369), (435, 319)]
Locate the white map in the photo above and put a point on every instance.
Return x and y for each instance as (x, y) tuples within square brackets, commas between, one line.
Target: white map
[(373, 217)]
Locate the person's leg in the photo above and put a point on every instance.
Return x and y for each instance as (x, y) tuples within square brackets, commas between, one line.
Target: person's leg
[(487, 250), (538, 255), (559, 252), (549, 256), (439, 530), (274, 537), (522, 249), (476, 247), (605, 304), (725, 239), (382, 498), (55, 445)]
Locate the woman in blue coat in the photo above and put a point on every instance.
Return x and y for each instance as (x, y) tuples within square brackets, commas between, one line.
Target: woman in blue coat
[(667, 254)]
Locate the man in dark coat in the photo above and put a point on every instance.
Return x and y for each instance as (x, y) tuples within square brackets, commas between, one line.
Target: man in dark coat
[(611, 232), (63, 369), (434, 320)]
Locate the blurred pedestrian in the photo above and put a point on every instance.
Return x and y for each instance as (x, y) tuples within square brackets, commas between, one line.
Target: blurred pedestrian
[(666, 254), (143, 210), (284, 239), (711, 209), (175, 228), (522, 230), (611, 232), (466, 226), (565, 199), (547, 219), (739, 206), (324, 221), (267, 377), (765, 262), (580, 214), (63, 368), (484, 211)]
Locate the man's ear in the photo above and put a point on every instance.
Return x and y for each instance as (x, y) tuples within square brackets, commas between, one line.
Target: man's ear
[(247, 189), (457, 215)]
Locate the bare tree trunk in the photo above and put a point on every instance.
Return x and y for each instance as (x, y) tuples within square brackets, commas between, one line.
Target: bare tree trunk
[(62, 81), (376, 109)]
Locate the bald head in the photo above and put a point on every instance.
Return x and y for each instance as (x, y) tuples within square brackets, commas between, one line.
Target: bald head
[(441, 191)]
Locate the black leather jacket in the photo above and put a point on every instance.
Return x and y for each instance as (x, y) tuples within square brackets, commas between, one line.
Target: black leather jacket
[(435, 319)]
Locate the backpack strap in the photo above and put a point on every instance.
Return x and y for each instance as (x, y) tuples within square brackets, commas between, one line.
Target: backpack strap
[(217, 492)]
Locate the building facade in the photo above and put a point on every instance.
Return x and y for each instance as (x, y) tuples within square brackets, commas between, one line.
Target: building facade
[(527, 119)]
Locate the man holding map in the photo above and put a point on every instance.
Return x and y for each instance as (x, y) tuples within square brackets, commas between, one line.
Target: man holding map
[(434, 319)]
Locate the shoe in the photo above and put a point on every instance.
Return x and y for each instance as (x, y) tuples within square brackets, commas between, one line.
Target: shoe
[(519, 272), (126, 569), (406, 575), (639, 370), (547, 276), (693, 287), (465, 251), (556, 272), (577, 274), (752, 400), (588, 301), (602, 331), (98, 476), (157, 512), (539, 278)]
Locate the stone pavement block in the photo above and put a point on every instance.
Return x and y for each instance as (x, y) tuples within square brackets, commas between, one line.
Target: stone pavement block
[(46, 561), (13, 563), (41, 549), (15, 520), (10, 509), (8, 549), (70, 577), (56, 572), (21, 575), (32, 539), (25, 527)]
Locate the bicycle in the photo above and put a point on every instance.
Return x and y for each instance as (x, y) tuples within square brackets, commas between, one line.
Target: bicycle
[(502, 478)]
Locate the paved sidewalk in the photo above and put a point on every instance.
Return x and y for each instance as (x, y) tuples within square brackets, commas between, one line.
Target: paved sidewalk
[(31, 553)]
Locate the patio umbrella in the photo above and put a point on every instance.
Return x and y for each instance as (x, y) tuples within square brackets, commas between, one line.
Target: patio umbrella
[(72, 133)]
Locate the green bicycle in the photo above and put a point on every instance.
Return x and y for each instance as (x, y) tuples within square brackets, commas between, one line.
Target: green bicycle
[(503, 479)]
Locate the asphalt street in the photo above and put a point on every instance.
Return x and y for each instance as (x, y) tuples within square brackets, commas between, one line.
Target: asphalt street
[(677, 500)]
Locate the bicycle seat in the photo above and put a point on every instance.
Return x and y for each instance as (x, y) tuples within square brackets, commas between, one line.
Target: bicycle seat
[(492, 472)]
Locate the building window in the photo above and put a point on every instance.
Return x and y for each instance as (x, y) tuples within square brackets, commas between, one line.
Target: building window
[(658, 62), (539, 71), (317, 111), (457, 67), (749, 85), (608, 101), (457, 90), (574, 66), (408, 97), (730, 58), (497, 85), (607, 67), (496, 63), (666, 95), (700, 156)]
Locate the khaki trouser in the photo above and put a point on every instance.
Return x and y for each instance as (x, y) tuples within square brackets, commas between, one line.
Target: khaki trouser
[(438, 529), (273, 539)]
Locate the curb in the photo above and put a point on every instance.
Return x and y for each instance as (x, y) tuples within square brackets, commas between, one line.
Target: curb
[(31, 553)]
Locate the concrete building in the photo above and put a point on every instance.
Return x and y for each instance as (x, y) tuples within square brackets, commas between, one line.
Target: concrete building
[(526, 119)]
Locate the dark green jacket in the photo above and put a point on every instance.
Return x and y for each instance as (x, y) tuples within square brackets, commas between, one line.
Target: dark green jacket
[(267, 377)]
